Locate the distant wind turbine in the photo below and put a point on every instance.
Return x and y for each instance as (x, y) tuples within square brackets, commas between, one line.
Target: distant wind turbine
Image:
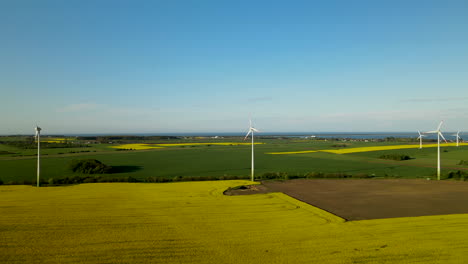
[(420, 139), (251, 130), (458, 136), (38, 137), (439, 135)]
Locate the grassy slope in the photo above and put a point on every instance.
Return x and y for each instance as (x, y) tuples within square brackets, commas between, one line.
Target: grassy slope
[(235, 160), (194, 223)]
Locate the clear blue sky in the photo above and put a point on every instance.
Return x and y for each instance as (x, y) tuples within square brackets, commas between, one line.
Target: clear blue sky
[(191, 66)]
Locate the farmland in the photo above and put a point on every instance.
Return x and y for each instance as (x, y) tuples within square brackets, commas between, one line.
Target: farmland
[(192, 222), (171, 158)]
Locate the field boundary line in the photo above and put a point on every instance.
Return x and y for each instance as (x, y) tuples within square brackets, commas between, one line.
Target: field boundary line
[(323, 214)]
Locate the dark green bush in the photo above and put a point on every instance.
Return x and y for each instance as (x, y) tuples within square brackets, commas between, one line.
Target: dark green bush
[(28, 182), (398, 157), (339, 146), (131, 179), (337, 175), (314, 175), (457, 175), (33, 183), (89, 166), (269, 175), (277, 176), (463, 162), (362, 176), (90, 180)]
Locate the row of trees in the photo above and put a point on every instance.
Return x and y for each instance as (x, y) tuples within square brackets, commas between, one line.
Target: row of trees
[(129, 138), (31, 144), (454, 175)]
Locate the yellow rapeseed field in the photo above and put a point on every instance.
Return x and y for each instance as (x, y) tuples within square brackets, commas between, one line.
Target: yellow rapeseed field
[(378, 148), (54, 140), (192, 222), (137, 146), (140, 146), (209, 143), (367, 149)]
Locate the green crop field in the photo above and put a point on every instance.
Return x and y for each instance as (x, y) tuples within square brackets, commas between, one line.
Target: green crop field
[(230, 160), (192, 222)]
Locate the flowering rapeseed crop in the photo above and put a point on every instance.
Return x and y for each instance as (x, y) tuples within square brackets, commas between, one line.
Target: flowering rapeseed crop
[(207, 143), (367, 149), (141, 146), (193, 222), (54, 140), (137, 146)]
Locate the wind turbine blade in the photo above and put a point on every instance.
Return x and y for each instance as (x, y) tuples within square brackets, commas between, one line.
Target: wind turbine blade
[(419, 137), (246, 136), (419, 132), (254, 129), (432, 132), (440, 133), (440, 125)]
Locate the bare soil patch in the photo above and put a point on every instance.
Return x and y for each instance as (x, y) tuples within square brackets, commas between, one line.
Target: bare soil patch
[(357, 199), (247, 189)]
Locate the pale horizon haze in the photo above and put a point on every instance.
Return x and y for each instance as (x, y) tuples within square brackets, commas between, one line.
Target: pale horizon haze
[(75, 67)]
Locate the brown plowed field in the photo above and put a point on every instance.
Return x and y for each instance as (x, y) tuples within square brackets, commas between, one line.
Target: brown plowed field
[(373, 199)]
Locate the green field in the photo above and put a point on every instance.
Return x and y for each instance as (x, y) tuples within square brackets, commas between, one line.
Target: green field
[(216, 161), (192, 222)]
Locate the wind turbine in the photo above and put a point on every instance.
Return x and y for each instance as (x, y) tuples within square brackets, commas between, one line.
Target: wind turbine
[(252, 130), (420, 139), (38, 136), (439, 135), (458, 136)]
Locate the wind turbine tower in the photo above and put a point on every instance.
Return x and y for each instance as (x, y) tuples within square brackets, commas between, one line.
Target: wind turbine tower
[(251, 130), (458, 136), (420, 139), (439, 135), (38, 137)]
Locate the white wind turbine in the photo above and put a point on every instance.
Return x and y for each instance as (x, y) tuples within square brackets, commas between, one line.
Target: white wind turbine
[(458, 136), (439, 135), (252, 130), (38, 136), (420, 139)]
